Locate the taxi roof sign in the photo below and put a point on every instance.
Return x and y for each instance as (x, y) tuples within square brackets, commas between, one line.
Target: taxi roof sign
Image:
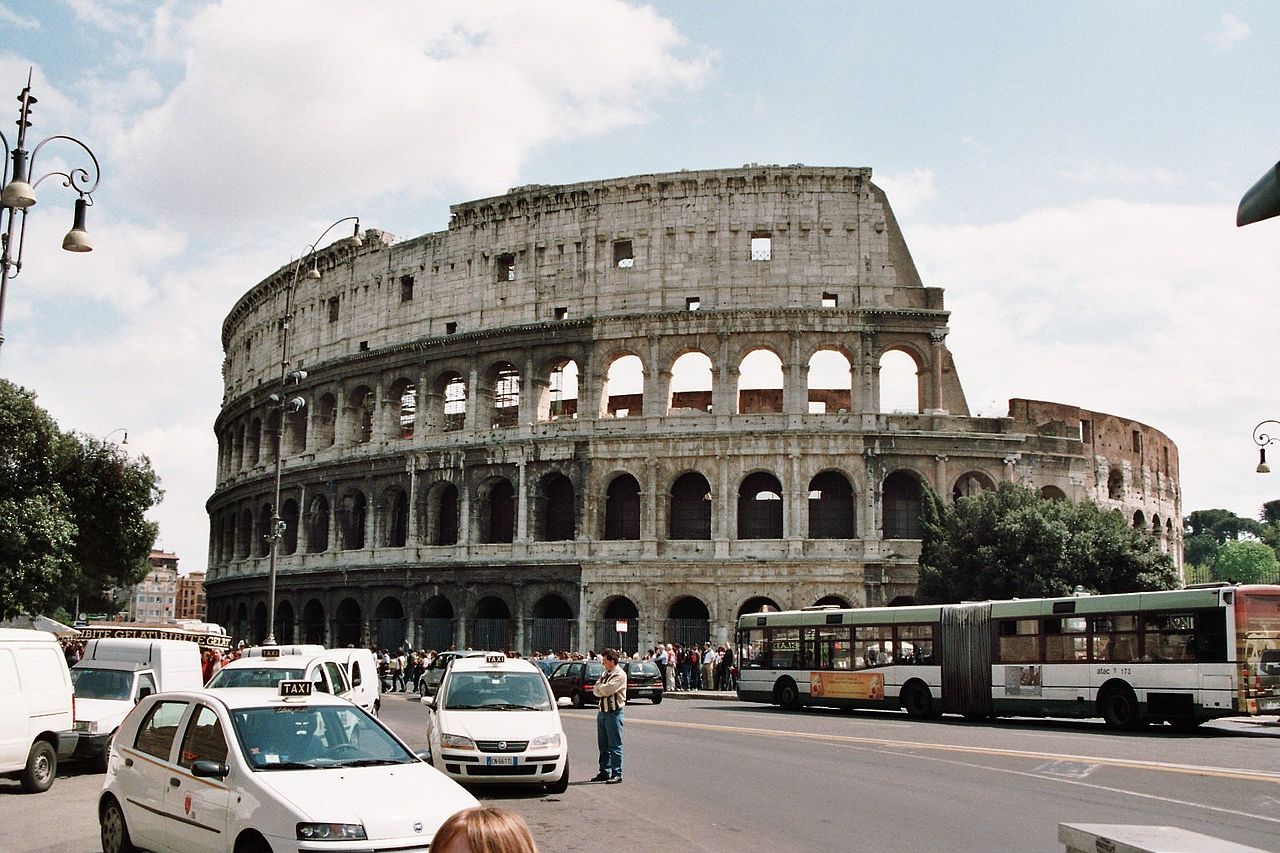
[(291, 688), (495, 657)]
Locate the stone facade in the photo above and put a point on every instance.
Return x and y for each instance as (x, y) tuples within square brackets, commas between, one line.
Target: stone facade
[(654, 399)]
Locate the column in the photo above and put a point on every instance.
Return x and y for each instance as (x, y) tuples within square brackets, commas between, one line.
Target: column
[(522, 503), (795, 394), (936, 339)]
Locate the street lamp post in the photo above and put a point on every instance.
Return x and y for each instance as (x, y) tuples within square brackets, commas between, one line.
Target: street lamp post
[(286, 405), (19, 194), (1262, 439)]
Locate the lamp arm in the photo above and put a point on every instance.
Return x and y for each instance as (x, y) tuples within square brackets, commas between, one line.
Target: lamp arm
[(78, 178), (7, 154), (311, 249), (1263, 439)]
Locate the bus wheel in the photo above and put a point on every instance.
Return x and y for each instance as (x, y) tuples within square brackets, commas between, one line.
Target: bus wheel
[(789, 695), (916, 701), (1119, 708)]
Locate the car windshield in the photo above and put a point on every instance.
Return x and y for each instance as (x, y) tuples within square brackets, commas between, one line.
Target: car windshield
[(265, 676), (643, 667), (307, 737), (101, 683), (595, 669), (497, 691)]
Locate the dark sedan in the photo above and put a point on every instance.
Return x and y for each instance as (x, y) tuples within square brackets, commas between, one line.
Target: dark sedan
[(644, 680), (575, 679)]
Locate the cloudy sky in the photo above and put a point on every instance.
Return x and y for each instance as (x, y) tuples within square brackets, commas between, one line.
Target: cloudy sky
[(1069, 172)]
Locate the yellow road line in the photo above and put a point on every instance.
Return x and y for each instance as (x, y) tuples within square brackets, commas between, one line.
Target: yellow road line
[(887, 743)]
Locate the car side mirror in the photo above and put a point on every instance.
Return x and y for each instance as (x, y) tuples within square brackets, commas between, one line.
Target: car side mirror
[(206, 769), (143, 693), (425, 755), (429, 701), (565, 702)]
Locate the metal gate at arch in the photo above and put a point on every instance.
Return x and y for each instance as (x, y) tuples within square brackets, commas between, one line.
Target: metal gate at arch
[(551, 635), (607, 636), (688, 632)]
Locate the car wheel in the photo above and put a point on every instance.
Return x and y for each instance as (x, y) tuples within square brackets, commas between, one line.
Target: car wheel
[(578, 701), (253, 844), (113, 830), (41, 769), (562, 784), (657, 700)]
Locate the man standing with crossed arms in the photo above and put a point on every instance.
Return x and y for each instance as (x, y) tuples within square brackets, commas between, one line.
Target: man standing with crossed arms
[(611, 692)]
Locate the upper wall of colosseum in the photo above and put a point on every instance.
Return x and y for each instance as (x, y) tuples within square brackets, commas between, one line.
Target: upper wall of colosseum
[(756, 238)]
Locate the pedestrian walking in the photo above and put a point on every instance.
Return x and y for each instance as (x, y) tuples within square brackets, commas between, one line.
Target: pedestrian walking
[(611, 692)]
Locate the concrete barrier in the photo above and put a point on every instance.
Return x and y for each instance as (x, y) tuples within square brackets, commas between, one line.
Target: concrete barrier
[(1127, 838)]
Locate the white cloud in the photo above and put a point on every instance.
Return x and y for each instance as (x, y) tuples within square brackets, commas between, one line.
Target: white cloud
[(1118, 174), (13, 19), (908, 191), (1161, 313), (1231, 30)]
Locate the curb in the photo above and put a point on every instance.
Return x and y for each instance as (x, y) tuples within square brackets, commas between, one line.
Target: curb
[(713, 695)]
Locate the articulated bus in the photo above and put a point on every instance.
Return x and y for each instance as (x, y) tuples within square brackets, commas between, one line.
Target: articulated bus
[(1181, 656)]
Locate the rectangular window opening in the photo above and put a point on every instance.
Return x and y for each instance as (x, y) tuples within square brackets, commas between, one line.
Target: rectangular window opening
[(450, 328), (406, 288), (1137, 441), (506, 266), (1086, 431), (830, 300), (364, 346), (333, 309), (692, 303), (562, 313), (624, 255), (761, 246)]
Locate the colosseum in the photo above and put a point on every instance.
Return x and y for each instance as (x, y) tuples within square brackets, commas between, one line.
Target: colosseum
[(649, 403)]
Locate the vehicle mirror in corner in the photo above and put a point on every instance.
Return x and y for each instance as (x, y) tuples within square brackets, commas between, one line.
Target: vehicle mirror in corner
[(429, 701), (207, 769), (564, 702)]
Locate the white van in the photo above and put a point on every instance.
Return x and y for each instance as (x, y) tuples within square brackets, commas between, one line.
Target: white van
[(37, 708), (349, 673), (116, 672)]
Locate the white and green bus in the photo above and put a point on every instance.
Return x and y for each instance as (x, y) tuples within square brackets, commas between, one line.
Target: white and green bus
[(1181, 656)]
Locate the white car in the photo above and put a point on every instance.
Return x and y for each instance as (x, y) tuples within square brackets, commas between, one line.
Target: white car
[(260, 770), (494, 720), (329, 670)]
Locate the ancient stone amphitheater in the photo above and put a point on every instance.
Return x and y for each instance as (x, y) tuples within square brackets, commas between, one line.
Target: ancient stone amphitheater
[(650, 403)]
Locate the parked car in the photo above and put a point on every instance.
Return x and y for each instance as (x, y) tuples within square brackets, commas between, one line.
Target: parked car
[(574, 679), (644, 680), (329, 670), (267, 769), (429, 683), (495, 721), (36, 708)]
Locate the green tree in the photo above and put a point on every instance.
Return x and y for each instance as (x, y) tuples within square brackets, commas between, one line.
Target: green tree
[(1011, 542), (71, 512), (1245, 562), (1200, 549)]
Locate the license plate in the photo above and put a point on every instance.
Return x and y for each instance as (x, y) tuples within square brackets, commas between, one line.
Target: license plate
[(503, 760), (644, 692)]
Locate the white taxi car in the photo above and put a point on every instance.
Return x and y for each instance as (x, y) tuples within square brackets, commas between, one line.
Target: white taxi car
[(335, 671), (494, 720), (259, 770)]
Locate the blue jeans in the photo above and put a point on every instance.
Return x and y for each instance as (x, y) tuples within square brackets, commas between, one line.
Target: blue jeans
[(609, 739)]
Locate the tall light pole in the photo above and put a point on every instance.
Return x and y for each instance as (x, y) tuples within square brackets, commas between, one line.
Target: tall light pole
[(19, 194), (285, 405)]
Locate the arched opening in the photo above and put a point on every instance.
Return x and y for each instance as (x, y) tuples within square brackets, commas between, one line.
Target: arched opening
[(455, 403), (284, 624), (760, 383), (758, 604), (902, 503), (317, 524), (506, 396), (831, 511), (271, 431), (552, 625), (397, 522), (899, 383), (691, 384), (619, 609), (1115, 484), (237, 447), (1139, 520), (689, 621), (353, 512), (295, 431), (492, 628), (348, 624), (830, 383), (289, 515), (264, 525), (229, 536), (259, 624), (760, 507), (327, 421), (245, 535), (404, 399), (624, 387), (903, 601), (253, 442), (971, 484), (554, 512), (361, 403), (690, 507), (437, 624), (442, 514), (498, 512), (388, 616), (622, 508), (241, 628), (833, 600), (1052, 493), (561, 400)]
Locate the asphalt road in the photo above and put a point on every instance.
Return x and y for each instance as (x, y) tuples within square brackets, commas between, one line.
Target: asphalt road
[(726, 776)]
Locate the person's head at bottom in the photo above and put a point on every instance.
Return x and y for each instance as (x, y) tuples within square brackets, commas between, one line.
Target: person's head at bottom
[(484, 829)]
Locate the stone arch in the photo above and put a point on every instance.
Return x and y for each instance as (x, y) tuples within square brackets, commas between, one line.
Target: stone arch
[(690, 516), (555, 510), (901, 381), (971, 484), (244, 539), (1115, 484), (441, 514), (327, 421), (551, 624), (313, 622), (622, 508), (624, 387), (760, 382), (760, 502), (403, 405), (830, 381), (492, 628), (388, 617), (902, 506), (264, 526), (450, 394), (831, 507), (1052, 493), (902, 601), (353, 517), (836, 600), (614, 609), (283, 628), (689, 621), (496, 511), (438, 624), (259, 632), (348, 624), (504, 394), (361, 404), (1139, 520), (692, 384), (758, 604), (253, 443), (270, 432), (317, 524), (558, 399), (241, 629), (396, 518), (295, 431)]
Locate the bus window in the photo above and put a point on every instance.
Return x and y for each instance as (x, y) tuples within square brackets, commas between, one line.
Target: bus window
[(1259, 629), (915, 644), (827, 647), (750, 642), (873, 646), (1115, 637), (1168, 637), (1066, 640), (1019, 641), (782, 648)]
